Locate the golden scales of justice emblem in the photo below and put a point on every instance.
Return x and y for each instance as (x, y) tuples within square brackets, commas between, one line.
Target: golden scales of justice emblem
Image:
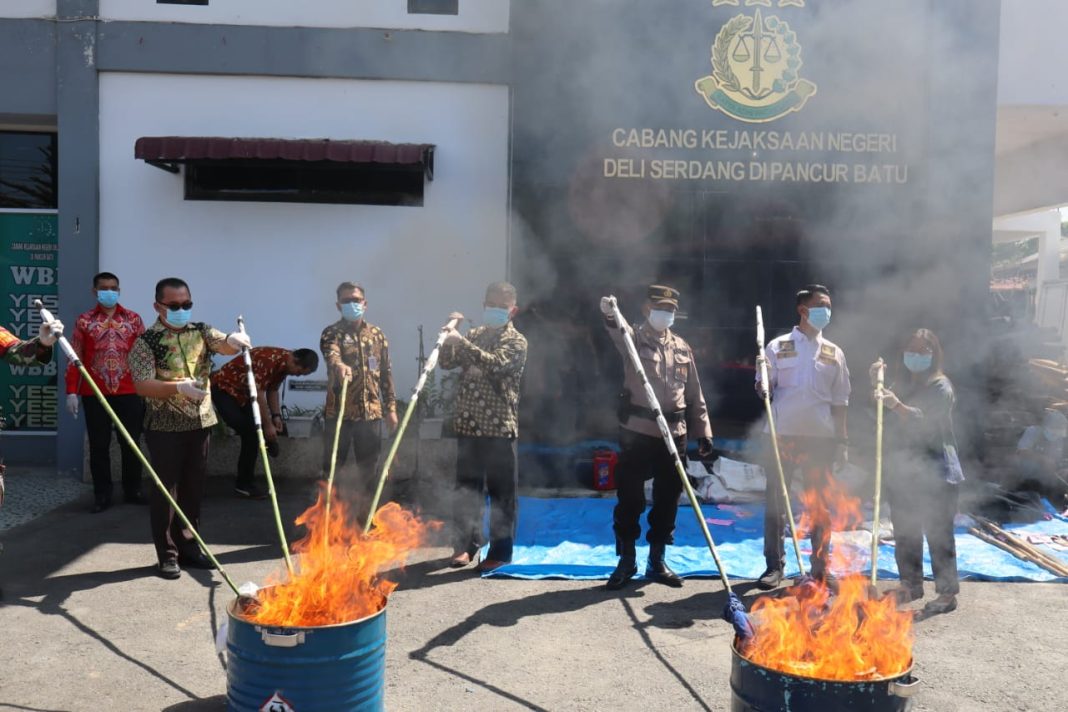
[(756, 64)]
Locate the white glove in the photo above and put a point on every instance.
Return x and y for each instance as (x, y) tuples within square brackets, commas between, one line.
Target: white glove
[(608, 306), (239, 341), (873, 372), (72, 405), (188, 388), (48, 334)]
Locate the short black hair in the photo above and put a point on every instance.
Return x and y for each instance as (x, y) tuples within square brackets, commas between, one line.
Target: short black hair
[(306, 359), (348, 287), (172, 282), (504, 289), (809, 290), (103, 275)]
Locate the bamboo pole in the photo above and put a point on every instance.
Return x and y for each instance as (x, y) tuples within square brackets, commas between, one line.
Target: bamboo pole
[(258, 421), (333, 453)]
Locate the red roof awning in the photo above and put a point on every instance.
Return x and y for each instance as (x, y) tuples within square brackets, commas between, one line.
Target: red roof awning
[(184, 149)]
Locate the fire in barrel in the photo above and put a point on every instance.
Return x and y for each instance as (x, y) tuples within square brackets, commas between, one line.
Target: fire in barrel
[(815, 651), (317, 640)]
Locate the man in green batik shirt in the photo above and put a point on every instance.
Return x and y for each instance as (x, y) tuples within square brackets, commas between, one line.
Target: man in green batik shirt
[(171, 368), (492, 358)]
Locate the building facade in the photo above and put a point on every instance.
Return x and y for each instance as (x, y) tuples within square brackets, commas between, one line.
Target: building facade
[(734, 148)]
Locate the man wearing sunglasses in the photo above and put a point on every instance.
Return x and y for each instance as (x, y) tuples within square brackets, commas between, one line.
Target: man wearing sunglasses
[(103, 337), (171, 367), (357, 352)]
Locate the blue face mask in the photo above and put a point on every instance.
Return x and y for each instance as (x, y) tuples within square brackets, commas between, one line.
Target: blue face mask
[(819, 317), (107, 297), (179, 317), (352, 311), (918, 363), (495, 317), (661, 319)]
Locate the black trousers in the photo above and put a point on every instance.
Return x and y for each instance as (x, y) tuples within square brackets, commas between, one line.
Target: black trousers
[(642, 457), (815, 458), (181, 461), (98, 425), (240, 418), (364, 439), (919, 508), (485, 466)]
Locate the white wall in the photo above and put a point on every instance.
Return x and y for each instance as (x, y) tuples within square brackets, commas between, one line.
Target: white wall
[(28, 8), (474, 15), (1033, 53), (278, 263)]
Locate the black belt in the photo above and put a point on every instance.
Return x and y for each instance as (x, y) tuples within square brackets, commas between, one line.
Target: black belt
[(674, 418)]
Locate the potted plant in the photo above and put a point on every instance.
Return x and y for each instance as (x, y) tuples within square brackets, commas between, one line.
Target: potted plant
[(301, 422)]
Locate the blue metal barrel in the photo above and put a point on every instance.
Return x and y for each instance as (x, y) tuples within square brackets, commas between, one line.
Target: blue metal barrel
[(319, 669)]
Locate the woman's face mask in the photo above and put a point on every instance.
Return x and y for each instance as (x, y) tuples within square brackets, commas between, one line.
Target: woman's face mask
[(916, 362)]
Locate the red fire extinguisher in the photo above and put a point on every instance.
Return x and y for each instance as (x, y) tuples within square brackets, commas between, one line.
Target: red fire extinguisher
[(604, 469)]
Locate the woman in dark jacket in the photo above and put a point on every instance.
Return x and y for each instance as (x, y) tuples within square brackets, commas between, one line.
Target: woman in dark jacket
[(924, 471)]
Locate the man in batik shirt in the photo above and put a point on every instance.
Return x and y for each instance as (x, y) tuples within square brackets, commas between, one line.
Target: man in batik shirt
[(492, 358), (357, 352), (229, 393), (103, 337), (171, 367)]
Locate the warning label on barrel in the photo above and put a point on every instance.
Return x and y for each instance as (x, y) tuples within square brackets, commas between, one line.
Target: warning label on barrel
[(277, 703)]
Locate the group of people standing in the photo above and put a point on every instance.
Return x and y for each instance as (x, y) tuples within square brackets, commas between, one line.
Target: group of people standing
[(809, 389), (159, 383)]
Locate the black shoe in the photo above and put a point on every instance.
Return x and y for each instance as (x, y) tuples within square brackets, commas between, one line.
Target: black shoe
[(135, 498), (168, 569), (769, 579), (656, 569), (100, 505), (943, 604), (625, 570), (195, 560), (253, 491)]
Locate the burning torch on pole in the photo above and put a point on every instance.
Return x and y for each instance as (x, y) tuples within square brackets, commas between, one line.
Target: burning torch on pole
[(734, 612), (428, 368), (247, 353), (46, 317), (765, 394)]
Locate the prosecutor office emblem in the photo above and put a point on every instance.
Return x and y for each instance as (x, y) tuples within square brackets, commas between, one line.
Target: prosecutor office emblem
[(756, 65)]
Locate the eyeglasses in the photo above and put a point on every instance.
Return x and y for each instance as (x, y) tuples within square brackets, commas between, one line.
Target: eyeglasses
[(183, 305), (352, 300)]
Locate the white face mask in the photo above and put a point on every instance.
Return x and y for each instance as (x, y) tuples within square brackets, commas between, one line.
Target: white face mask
[(661, 320)]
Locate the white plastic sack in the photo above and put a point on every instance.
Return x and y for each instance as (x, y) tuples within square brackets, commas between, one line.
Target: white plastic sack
[(740, 476)]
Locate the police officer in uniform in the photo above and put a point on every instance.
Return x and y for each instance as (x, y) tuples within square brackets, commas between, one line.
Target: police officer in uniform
[(809, 383), (672, 371)]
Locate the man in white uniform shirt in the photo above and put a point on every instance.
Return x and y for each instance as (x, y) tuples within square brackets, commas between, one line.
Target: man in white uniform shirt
[(809, 383)]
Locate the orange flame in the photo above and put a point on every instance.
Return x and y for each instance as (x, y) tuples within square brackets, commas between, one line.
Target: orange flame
[(337, 575), (849, 637)]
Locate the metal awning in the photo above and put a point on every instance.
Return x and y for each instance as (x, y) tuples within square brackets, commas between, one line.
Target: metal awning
[(169, 152)]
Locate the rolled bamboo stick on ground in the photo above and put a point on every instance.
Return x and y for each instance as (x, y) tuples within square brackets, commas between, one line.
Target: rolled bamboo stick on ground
[(1026, 546), (1018, 552)]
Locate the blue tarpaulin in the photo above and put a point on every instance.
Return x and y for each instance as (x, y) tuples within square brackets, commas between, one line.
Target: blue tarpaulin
[(572, 539)]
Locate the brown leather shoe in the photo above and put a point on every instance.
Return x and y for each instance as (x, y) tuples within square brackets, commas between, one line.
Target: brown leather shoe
[(490, 565), (460, 559)]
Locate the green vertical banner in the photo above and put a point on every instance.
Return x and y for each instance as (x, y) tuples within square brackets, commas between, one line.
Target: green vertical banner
[(28, 260)]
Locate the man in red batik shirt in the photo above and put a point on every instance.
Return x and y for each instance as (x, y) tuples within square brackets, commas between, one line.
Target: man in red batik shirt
[(103, 337), (230, 396)]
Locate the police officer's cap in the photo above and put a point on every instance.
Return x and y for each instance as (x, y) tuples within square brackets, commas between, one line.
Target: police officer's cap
[(661, 294)]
